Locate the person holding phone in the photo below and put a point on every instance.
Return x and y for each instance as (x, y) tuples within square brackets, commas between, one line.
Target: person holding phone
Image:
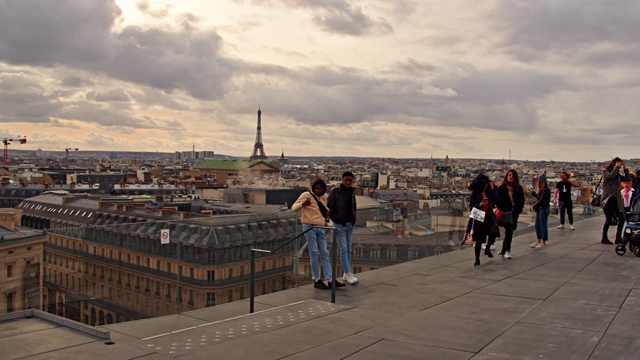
[(542, 209), (315, 213), (612, 203)]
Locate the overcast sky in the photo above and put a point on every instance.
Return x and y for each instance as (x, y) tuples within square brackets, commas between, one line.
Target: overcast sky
[(546, 80)]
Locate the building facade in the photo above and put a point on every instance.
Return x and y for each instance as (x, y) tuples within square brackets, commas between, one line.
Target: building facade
[(21, 252), (116, 268)]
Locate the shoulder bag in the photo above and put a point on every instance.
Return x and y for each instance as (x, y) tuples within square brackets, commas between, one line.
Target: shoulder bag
[(596, 198)]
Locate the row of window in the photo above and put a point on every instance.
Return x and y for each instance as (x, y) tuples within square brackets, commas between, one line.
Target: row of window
[(9, 270), (144, 304), (391, 252), (149, 262)]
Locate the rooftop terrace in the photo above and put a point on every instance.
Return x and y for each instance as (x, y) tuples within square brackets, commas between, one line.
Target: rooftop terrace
[(575, 299)]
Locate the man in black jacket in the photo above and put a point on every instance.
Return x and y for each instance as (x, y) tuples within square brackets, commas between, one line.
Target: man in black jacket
[(342, 206)]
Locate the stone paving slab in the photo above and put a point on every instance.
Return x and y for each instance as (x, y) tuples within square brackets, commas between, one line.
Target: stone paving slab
[(450, 331), (22, 345), (534, 342), (531, 289), (390, 349), (572, 315), (197, 338)]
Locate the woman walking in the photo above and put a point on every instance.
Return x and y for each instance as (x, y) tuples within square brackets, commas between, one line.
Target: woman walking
[(483, 197), (542, 209), (612, 203), (511, 199)]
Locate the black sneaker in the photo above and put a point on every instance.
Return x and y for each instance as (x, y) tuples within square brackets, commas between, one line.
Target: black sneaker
[(338, 284), (319, 284)]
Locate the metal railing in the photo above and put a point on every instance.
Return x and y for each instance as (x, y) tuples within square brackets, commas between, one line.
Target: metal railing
[(252, 257)]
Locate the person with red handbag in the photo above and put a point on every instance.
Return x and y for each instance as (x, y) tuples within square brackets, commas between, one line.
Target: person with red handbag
[(483, 198)]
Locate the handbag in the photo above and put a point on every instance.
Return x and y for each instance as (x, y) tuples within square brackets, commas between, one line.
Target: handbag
[(597, 198), (507, 219), (468, 235), (499, 214)]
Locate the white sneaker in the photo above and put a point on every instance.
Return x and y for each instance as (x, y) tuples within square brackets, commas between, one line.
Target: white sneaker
[(484, 246), (507, 255), (572, 227), (493, 246), (561, 226), (350, 278), (540, 246), (534, 244), (344, 276)]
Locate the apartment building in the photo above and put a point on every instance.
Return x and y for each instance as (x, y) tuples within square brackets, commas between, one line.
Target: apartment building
[(106, 263), (21, 252)]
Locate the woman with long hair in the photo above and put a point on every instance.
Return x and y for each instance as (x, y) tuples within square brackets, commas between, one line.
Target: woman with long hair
[(511, 199), (612, 205), (483, 197), (542, 209)]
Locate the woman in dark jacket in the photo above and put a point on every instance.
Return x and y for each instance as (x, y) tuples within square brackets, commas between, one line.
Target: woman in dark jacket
[(542, 209), (612, 205), (483, 197), (511, 199)]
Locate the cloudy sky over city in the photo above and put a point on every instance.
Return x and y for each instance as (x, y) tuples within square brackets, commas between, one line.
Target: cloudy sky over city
[(540, 80)]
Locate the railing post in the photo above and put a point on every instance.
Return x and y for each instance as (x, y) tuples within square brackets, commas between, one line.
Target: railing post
[(334, 265), (252, 291)]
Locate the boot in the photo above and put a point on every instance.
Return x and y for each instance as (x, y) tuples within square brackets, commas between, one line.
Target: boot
[(476, 251), (618, 240), (606, 241), (487, 252)]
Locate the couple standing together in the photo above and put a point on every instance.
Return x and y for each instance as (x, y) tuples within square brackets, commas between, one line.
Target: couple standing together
[(317, 208)]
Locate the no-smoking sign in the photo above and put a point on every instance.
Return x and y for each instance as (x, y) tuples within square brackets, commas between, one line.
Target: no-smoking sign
[(164, 236)]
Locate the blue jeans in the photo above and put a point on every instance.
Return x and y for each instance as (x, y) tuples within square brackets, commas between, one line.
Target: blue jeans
[(344, 237), (317, 242), (541, 223)]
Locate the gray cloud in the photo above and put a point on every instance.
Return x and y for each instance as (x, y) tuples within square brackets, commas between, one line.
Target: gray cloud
[(79, 34), (23, 98), (533, 30), (343, 17), (49, 32), (110, 95)]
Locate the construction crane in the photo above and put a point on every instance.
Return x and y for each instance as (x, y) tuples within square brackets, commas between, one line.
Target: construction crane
[(66, 154), (6, 143)]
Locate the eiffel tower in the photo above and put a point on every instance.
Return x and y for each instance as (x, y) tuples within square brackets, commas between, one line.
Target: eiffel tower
[(258, 148)]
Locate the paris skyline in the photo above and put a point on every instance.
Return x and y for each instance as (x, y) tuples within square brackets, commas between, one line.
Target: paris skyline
[(403, 79)]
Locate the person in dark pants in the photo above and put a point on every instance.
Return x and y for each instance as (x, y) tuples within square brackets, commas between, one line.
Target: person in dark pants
[(636, 182), (511, 199), (483, 197), (562, 198), (612, 176)]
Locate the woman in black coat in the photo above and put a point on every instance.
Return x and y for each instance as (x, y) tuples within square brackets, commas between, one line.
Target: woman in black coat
[(483, 197), (511, 199)]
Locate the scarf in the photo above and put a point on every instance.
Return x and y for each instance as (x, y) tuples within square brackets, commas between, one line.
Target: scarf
[(626, 196)]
